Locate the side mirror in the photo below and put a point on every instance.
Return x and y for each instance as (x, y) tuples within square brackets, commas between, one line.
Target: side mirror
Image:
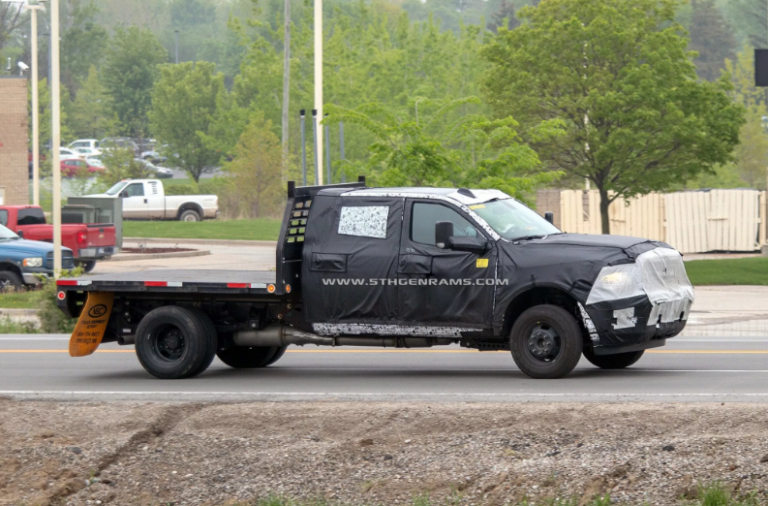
[(477, 245), (123, 195), (550, 217), (20, 234), (443, 233)]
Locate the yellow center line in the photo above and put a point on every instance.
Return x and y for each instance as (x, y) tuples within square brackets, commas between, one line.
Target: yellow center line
[(667, 352)]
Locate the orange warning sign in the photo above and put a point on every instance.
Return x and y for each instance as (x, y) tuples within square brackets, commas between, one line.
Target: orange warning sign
[(92, 324)]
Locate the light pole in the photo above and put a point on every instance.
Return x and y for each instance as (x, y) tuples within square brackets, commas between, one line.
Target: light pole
[(56, 136), (319, 85), (35, 106), (177, 46)]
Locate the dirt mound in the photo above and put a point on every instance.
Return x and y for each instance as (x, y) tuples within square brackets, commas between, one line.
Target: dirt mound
[(375, 453)]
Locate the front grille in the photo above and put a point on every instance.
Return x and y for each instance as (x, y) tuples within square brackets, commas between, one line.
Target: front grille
[(67, 260)]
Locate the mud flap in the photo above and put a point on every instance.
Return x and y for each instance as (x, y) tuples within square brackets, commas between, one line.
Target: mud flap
[(92, 324)]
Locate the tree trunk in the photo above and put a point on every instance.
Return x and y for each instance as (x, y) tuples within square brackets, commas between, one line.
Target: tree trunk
[(605, 204), (286, 85)]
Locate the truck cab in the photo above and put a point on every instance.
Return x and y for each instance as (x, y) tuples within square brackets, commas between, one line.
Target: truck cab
[(419, 267)]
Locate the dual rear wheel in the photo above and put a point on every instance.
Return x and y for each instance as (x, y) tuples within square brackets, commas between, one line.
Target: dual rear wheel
[(546, 343), (176, 342)]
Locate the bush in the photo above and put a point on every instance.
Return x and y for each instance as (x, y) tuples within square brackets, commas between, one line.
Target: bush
[(52, 320), (181, 189), (7, 326)]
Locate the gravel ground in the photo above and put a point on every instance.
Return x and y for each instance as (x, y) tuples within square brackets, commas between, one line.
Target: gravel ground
[(376, 453)]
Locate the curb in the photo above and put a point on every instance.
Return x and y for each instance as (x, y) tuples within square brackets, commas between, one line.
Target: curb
[(130, 257), (211, 242), (17, 313)]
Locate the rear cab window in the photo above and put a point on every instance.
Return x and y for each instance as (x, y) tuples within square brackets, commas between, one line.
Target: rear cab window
[(364, 221), (33, 216)]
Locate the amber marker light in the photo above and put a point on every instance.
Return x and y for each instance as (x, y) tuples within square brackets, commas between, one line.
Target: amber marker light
[(271, 288)]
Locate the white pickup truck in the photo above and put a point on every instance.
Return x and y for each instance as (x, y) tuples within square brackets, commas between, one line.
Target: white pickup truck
[(145, 199)]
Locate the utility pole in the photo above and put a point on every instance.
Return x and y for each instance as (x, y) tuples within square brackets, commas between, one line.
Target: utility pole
[(56, 136), (176, 33), (286, 84), (319, 86)]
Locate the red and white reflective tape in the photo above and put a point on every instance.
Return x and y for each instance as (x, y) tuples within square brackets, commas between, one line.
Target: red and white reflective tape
[(73, 282), (169, 284)]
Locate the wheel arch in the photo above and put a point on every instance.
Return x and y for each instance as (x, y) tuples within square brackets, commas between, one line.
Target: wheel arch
[(538, 295), (190, 206), (10, 266)]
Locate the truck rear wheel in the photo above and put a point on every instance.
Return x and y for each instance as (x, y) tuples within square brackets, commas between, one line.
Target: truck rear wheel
[(189, 215), (175, 342), (87, 265), (617, 361), (546, 342), (250, 357)]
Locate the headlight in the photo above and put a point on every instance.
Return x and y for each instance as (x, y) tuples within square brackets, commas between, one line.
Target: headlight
[(617, 282), (33, 262)]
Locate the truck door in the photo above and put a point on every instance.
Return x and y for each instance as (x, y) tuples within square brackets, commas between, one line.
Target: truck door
[(155, 200), (438, 285), (135, 204), (350, 260)]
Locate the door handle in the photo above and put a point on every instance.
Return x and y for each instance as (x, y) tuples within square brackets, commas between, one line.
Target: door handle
[(145, 201)]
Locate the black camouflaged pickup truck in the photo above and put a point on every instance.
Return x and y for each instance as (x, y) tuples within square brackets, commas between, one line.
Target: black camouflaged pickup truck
[(399, 268)]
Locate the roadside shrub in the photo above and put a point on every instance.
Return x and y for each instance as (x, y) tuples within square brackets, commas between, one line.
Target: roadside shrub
[(52, 320), (7, 326), (181, 189)]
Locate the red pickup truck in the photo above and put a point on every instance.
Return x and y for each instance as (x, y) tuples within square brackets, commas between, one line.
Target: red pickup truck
[(88, 241)]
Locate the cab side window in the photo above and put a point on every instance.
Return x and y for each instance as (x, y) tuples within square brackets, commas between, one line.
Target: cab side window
[(135, 190), (425, 216), (3, 217), (364, 221)]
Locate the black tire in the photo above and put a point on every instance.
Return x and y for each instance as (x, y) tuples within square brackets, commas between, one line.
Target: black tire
[(249, 357), (9, 280), (278, 355), (189, 215), (87, 265), (546, 342), (175, 342), (618, 361)]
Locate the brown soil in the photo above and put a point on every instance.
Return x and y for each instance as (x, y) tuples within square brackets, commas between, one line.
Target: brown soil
[(376, 453), (147, 251)]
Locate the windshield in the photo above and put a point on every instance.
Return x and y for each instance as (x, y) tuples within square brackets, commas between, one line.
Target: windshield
[(6, 234), (512, 220), (116, 189)]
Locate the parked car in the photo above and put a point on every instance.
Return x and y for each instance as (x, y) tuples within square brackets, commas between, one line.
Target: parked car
[(22, 260), (158, 172), (89, 241), (85, 143), (86, 152), (145, 199), (95, 161), (120, 142), (68, 153), (71, 166), (154, 157)]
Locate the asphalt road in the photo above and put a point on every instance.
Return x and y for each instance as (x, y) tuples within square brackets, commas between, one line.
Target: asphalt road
[(688, 369)]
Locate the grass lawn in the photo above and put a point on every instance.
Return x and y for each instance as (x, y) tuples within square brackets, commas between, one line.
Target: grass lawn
[(254, 230), (740, 271), (19, 300)]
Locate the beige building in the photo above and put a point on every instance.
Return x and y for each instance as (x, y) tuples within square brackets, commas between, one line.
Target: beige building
[(14, 142)]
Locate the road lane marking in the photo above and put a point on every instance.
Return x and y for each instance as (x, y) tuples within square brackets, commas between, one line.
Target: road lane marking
[(660, 352)]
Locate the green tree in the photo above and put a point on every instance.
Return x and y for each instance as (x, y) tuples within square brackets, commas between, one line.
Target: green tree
[(750, 18), (82, 46), (752, 153), (506, 15), (420, 146), (184, 104), (636, 117), (90, 116), (711, 37), (129, 74)]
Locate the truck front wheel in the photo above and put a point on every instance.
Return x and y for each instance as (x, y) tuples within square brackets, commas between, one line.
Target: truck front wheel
[(250, 357), (10, 281), (617, 361), (546, 342), (175, 342)]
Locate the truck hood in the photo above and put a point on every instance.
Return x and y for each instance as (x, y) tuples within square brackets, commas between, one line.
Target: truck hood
[(570, 262), (24, 247)]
